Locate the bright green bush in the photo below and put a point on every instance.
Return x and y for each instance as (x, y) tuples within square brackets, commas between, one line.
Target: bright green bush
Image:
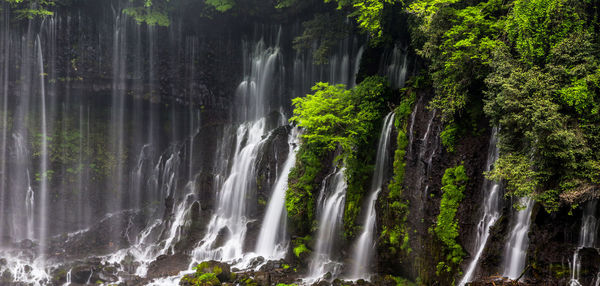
[(335, 117)]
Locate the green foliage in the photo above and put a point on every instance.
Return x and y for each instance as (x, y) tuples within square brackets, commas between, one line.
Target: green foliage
[(205, 274), (148, 15), (371, 95), (537, 26), (537, 65), (400, 281), (298, 250), (517, 172), (327, 116), (334, 117), (446, 229), (299, 199), (369, 14), (202, 279), (459, 41), (299, 245), (395, 231), (221, 5), (449, 136), (29, 9)]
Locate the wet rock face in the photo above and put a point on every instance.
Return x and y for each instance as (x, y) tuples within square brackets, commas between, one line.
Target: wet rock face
[(272, 155), (590, 265), (96, 240), (553, 239), (168, 265), (491, 258)]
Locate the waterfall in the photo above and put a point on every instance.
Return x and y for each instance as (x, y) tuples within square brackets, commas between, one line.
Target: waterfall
[(515, 253), (43, 221), (272, 240), (4, 71), (330, 210), (256, 95), (396, 70), (264, 68), (230, 218), (491, 209), (365, 246), (21, 221), (587, 239), (117, 116), (68, 282)]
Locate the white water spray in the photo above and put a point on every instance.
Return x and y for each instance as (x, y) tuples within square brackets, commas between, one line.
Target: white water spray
[(365, 246), (331, 212), (515, 253), (272, 240), (587, 239), (491, 209)]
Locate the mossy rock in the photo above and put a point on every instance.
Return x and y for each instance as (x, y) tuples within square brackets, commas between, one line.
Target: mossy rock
[(221, 270)]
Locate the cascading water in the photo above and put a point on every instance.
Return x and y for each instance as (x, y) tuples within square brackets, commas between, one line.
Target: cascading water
[(330, 210), (110, 141), (491, 209), (230, 218), (4, 70), (365, 246), (43, 220), (117, 115), (397, 67), (515, 253), (587, 239), (272, 240)]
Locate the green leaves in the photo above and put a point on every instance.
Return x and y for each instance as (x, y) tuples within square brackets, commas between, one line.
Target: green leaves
[(221, 5), (327, 116), (537, 64), (517, 171), (369, 14), (536, 26), (148, 15), (334, 117), (29, 9)]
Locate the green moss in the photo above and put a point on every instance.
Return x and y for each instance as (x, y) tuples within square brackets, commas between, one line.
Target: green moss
[(299, 245), (205, 274), (299, 200), (395, 230), (446, 229), (298, 250)]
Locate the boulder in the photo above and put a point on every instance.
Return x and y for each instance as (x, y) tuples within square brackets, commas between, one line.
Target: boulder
[(220, 269), (262, 278), (168, 265)]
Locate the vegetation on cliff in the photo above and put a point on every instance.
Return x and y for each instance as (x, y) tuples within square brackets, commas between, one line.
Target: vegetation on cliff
[(395, 232), (446, 228), (335, 118), (536, 66)]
